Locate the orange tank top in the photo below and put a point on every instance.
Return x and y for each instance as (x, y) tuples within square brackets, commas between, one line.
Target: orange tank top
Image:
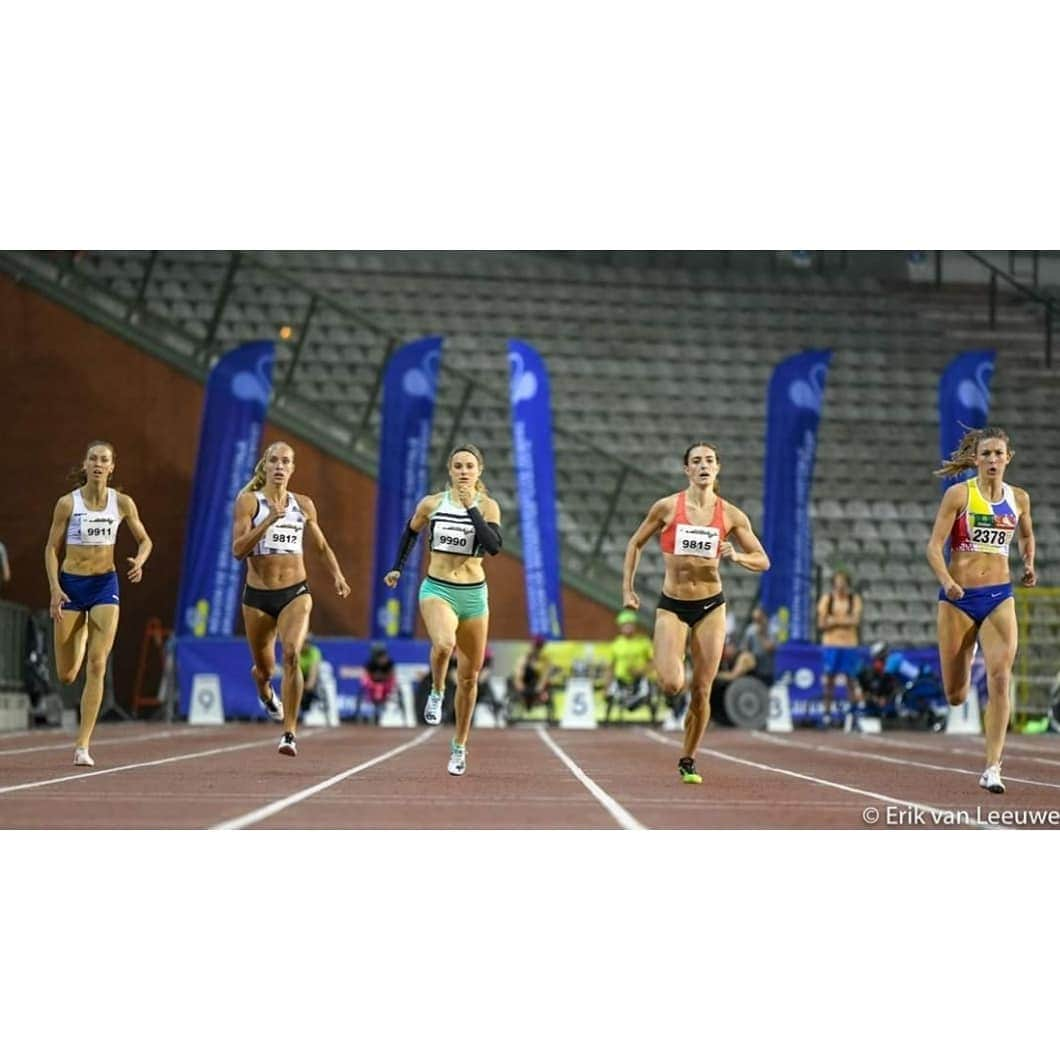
[(682, 538)]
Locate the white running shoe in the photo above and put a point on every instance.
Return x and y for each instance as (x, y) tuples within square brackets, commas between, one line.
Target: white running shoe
[(273, 706), (82, 757), (991, 780), (432, 713), (457, 759), (288, 745)]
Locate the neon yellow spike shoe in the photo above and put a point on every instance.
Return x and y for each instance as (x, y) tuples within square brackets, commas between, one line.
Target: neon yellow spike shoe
[(687, 768)]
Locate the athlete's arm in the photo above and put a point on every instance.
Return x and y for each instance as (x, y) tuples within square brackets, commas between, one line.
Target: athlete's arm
[(653, 522), (754, 555), (323, 548), (487, 524), (952, 502), (1026, 538), (244, 535), (408, 538), (127, 506), (63, 510)]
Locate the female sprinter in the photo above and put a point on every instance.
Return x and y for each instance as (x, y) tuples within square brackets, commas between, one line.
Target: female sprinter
[(464, 523), (695, 526), (980, 516), (267, 528), (84, 594)]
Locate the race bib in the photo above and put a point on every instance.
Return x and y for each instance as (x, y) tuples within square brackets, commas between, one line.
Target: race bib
[(992, 532), (457, 538), (284, 537), (697, 541)]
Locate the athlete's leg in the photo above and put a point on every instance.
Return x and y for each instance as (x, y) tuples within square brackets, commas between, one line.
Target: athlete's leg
[(71, 636), (292, 625), (668, 649), (102, 625), (998, 636), (470, 650), (261, 638), (956, 648), (708, 643), (441, 622)]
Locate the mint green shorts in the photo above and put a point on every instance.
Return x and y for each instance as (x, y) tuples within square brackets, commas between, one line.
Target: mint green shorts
[(467, 601)]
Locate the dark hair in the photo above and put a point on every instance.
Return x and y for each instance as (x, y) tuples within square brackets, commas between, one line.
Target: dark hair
[(697, 445), (963, 457), (80, 476), (477, 454)]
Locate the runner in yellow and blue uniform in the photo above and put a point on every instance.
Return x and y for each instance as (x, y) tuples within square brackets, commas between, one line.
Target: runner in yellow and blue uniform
[(979, 517), (464, 524)]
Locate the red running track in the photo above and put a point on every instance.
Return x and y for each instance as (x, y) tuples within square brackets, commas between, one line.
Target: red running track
[(154, 776)]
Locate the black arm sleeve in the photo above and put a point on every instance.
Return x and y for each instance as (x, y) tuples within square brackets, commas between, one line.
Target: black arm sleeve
[(488, 534), (405, 546)]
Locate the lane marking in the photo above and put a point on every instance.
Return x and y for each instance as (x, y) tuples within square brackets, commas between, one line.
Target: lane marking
[(1008, 756), (72, 737), (617, 811), (934, 810), (780, 741), (86, 774), (272, 808)]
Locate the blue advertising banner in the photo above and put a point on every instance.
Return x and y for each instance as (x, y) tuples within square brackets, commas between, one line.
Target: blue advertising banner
[(964, 401), (409, 388), (796, 391), (237, 395), (535, 477), (228, 659)]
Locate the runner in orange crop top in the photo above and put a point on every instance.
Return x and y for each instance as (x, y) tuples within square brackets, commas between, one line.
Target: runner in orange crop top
[(979, 517), (695, 527)]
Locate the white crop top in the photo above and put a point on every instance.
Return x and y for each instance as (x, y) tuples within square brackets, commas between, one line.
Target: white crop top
[(89, 528), (451, 528), (284, 537)]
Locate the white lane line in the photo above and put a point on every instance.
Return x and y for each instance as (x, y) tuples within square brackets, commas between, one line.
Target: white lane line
[(617, 811), (282, 804), (943, 749), (71, 737), (934, 810), (87, 774), (779, 740)]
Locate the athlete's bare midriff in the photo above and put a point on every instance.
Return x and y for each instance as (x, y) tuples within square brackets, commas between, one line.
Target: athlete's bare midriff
[(274, 572), (971, 570), (690, 577), (88, 559), (462, 570)]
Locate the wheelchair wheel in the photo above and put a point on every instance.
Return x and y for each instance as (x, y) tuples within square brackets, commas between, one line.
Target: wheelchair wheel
[(747, 703)]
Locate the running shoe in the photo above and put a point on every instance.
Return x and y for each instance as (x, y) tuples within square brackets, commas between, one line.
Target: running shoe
[(273, 706), (687, 768), (288, 746), (991, 780), (457, 759), (82, 757), (432, 713)]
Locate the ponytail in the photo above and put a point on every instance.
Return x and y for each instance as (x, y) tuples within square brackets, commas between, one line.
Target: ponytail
[(963, 457)]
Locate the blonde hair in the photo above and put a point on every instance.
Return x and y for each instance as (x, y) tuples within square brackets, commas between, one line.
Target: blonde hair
[(477, 454), (963, 457), (258, 478), (80, 475)]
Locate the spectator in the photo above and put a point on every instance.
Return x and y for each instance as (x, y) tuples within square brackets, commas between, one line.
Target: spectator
[(631, 654), (838, 620), (5, 570), (309, 660), (532, 675), (760, 639), (380, 676), (877, 683)]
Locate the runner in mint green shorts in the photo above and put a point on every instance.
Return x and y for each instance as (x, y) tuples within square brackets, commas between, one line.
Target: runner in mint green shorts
[(464, 524)]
